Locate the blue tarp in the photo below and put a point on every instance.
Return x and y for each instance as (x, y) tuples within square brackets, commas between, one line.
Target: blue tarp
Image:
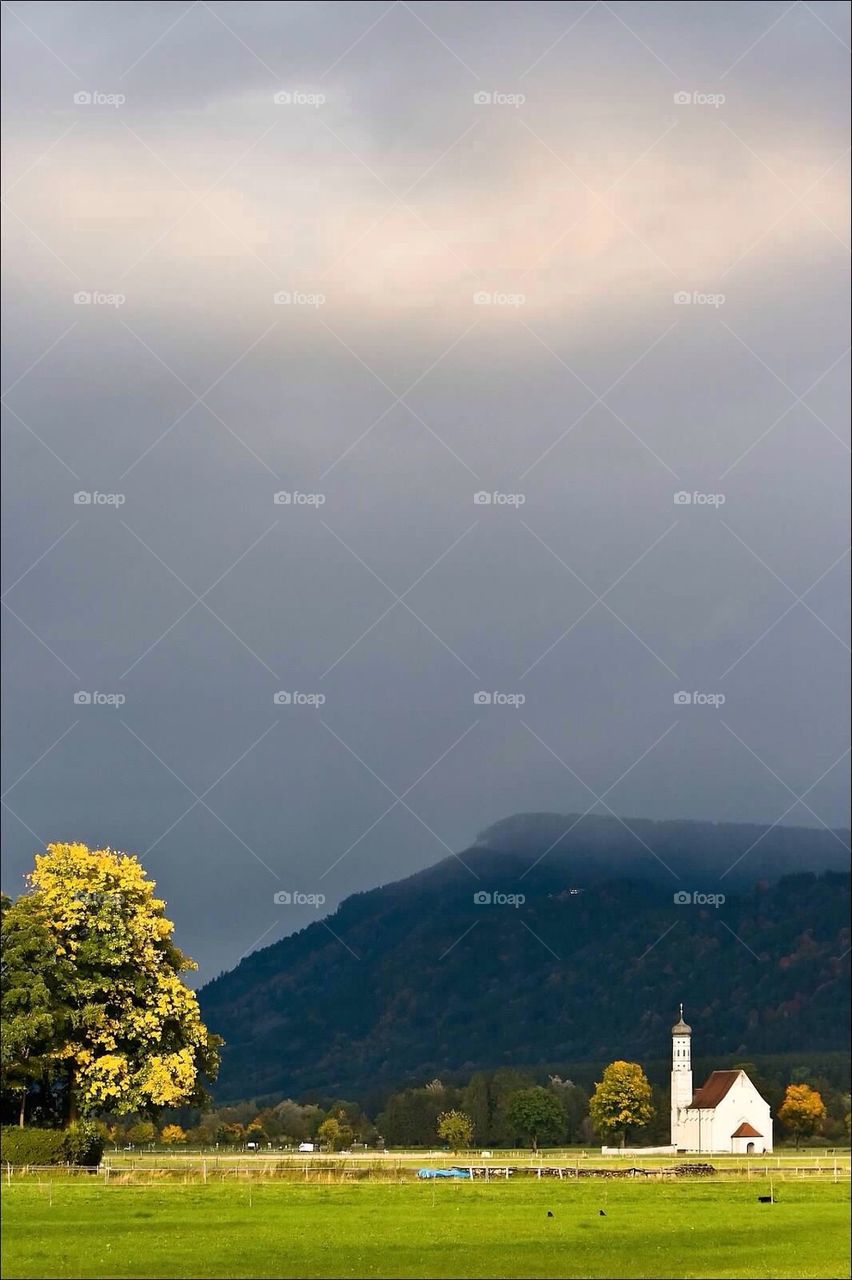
[(443, 1173)]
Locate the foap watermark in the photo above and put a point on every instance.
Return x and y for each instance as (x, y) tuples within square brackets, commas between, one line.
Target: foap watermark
[(683, 498), (487, 298), (95, 98), (298, 98), (495, 698), (697, 699), (496, 898), (692, 98), (684, 898), (295, 898), (295, 298), (496, 98), (91, 698), (695, 298), (497, 499), (92, 498), (293, 698), (295, 498), (94, 298)]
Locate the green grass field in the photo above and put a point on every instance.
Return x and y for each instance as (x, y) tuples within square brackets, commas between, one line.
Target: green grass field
[(84, 1228)]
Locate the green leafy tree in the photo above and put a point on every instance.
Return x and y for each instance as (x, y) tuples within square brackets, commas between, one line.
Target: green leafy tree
[(329, 1133), (621, 1100), (456, 1129), (335, 1133), (477, 1103), (802, 1111), (141, 1132), (410, 1118), (256, 1133), (230, 1135), (295, 1121), (351, 1116), (32, 1013), (536, 1114), (575, 1104), (503, 1084)]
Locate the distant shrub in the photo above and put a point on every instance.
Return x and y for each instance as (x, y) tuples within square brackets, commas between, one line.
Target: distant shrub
[(84, 1144), (81, 1144)]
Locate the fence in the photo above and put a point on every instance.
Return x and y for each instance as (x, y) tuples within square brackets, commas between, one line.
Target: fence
[(329, 1170)]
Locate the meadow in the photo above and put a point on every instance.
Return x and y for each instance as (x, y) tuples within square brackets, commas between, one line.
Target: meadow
[(88, 1226)]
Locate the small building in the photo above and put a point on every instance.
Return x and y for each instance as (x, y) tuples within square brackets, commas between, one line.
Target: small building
[(743, 1140), (727, 1114)]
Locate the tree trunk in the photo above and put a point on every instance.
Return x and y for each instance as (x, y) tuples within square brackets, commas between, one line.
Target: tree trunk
[(23, 1109), (72, 1096)]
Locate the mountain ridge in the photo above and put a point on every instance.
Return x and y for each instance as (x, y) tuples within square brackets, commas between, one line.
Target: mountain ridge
[(416, 976)]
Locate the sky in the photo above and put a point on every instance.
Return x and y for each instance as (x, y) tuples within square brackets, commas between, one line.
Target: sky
[(416, 414)]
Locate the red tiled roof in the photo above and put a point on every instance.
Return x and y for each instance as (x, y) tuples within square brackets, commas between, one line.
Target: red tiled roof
[(713, 1091), (746, 1131)]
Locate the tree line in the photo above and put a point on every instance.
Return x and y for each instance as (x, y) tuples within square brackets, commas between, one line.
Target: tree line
[(98, 1022), (500, 1109)]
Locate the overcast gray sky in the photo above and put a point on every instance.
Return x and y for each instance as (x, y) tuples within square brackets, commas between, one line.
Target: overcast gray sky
[(483, 216)]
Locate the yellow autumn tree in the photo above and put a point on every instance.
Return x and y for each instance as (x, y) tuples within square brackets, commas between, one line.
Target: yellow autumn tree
[(621, 1100), (802, 1111), (133, 1038), (172, 1134)]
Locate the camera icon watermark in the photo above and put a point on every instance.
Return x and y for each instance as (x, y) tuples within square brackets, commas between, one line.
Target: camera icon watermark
[(89, 298), (697, 699), (495, 898), (683, 498), (295, 498), (298, 98), (92, 498), (294, 898), (690, 98), (485, 298), (85, 698), (482, 698), (296, 298), (94, 98), (683, 298), (497, 499), (293, 698), (684, 898), (496, 98)]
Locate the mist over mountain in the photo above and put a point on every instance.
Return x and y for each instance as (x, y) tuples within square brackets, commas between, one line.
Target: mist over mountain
[(738, 853), (528, 948)]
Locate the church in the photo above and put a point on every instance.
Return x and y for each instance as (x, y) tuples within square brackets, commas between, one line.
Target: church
[(725, 1114)]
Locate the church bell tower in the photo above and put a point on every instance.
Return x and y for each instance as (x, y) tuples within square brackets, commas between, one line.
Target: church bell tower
[(681, 1074)]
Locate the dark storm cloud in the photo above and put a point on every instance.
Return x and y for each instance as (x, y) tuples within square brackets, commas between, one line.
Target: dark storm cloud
[(398, 398)]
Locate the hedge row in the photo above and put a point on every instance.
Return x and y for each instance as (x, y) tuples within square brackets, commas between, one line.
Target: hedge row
[(81, 1144)]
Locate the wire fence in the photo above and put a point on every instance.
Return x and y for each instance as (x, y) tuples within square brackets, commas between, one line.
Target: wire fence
[(218, 1170)]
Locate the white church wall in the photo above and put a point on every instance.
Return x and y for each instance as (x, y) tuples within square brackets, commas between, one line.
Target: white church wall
[(742, 1103)]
